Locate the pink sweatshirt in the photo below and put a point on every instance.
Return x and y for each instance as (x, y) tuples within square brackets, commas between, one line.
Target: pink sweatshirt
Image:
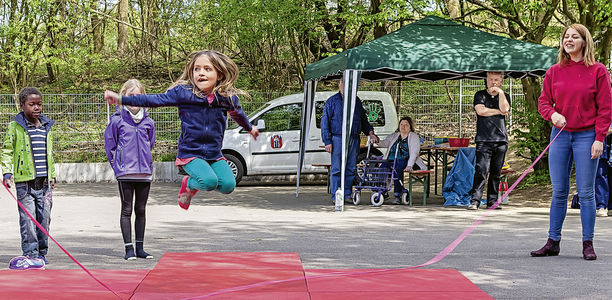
[(582, 95)]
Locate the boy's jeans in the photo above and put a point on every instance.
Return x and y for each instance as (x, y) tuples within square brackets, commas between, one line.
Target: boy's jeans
[(35, 196), (570, 146)]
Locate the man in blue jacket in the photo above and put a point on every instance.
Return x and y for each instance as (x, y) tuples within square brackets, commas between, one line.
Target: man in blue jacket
[(331, 134)]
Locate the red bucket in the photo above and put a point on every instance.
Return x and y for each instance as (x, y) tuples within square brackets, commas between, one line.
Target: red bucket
[(458, 142)]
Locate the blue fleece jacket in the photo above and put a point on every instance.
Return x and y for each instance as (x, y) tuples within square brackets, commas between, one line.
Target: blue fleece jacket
[(202, 124)]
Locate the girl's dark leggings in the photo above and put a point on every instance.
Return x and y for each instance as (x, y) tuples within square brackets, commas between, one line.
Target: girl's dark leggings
[(127, 191)]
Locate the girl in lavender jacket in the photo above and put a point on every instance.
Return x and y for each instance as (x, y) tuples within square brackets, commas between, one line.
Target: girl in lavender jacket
[(128, 140)]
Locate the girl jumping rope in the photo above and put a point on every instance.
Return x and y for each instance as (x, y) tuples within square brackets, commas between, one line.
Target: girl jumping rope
[(204, 94), (128, 140)]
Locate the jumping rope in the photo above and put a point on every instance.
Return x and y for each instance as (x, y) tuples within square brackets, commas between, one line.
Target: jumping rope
[(58, 244), (441, 255), (445, 252)]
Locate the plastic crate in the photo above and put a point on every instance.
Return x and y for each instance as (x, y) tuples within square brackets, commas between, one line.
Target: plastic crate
[(459, 142)]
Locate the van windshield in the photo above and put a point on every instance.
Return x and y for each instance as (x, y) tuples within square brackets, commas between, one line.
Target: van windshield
[(233, 125)]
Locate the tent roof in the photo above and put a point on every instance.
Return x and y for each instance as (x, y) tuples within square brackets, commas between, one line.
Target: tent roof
[(434, 49)]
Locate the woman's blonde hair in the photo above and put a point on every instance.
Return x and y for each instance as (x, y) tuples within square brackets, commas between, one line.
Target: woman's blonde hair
[(130, 84), (227, 73), (588, 50)]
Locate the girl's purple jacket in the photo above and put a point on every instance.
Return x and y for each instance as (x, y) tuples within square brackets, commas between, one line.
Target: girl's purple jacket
[(128, 145)]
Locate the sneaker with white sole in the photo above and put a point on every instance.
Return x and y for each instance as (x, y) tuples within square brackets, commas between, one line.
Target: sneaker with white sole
[(473, 205), (26, 263), (602, 212), (43, 258)]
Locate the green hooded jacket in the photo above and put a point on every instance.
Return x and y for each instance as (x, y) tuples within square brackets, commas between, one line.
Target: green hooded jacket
[(16, 154)]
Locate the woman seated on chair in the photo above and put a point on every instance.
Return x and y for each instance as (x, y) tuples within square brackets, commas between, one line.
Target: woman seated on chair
[(403, 147)]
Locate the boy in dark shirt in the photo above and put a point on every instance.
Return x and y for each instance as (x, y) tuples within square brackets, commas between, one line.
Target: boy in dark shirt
[(492, 106)]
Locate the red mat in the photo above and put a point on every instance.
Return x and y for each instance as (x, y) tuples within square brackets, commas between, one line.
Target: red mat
[(68, 284), (381, 284), (225, 275), (231, 260), (235, 275)]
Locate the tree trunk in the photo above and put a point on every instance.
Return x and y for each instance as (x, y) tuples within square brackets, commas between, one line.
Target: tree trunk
[(379, 27), (454, 11), (122, 29), (95, 23), (604, 50), (50, 72)]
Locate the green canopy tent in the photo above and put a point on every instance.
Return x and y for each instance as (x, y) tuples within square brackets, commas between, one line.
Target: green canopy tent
[(430, 49)]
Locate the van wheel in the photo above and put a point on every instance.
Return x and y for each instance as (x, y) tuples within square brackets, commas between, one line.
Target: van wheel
[(236, 166)]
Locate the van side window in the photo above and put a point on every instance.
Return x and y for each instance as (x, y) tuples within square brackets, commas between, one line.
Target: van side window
[(283, 118), (374, 111)]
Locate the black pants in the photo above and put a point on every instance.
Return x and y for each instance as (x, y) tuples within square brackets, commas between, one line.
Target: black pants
[(127, 190), (490, 158)]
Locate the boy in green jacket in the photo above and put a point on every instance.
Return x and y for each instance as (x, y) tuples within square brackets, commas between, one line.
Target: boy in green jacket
[(27, 160)]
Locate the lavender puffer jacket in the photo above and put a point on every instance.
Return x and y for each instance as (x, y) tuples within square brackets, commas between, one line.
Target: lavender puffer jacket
[(128, 145)]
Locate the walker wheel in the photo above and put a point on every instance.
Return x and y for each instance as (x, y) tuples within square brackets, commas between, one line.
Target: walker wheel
[(356, 197), (377, 199), (405, 199)]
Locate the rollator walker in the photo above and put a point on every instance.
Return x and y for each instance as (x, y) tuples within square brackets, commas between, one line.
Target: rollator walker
[(378, 176)]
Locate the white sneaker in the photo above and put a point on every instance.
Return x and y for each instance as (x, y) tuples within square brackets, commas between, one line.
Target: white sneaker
[(602, 212)]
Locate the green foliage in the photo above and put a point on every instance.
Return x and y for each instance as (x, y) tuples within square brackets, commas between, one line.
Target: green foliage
[(536, 178), (531, 133)]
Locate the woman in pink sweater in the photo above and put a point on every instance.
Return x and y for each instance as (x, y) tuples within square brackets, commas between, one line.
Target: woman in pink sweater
[(575, 94)]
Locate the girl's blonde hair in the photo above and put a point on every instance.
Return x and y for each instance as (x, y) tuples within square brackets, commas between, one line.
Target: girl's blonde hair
[(130, 84), (588, 51), (227, 73)]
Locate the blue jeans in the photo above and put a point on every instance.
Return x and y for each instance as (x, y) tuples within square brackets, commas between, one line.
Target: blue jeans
[(602, 184), (210, 175), (400, 165), (336, 164), (570, 146), (37, 201)]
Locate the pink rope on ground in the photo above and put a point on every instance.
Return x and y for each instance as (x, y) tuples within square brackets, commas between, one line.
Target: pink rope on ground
[(58, 244), (445, 252)]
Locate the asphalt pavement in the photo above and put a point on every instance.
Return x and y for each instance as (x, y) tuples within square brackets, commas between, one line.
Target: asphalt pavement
[(495, 256)]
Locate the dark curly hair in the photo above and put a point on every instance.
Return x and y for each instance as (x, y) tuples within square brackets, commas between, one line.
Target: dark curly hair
[(25, 92)]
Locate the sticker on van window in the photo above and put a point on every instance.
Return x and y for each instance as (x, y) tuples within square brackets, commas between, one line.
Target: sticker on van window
[(373, 111), (276, 141)]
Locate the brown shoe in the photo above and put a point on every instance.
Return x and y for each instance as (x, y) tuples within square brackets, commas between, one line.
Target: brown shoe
[(587, 250), (550, 249)]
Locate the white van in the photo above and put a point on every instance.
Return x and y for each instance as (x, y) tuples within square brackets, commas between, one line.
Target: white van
[(276, 150)]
